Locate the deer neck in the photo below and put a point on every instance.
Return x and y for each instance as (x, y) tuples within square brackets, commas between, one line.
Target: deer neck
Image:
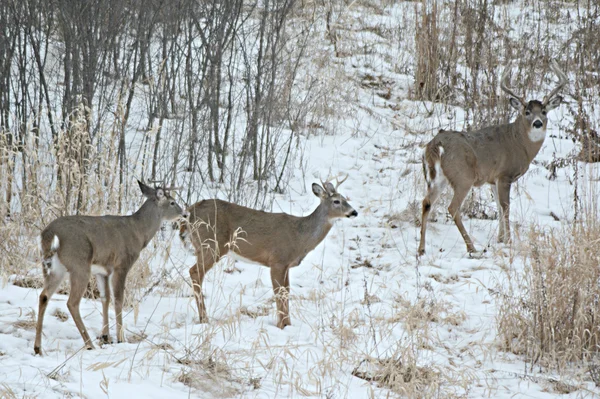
[(532, 141), (316, 225), (146, 221)]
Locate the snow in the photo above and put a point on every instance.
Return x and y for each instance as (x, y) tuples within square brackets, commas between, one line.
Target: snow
[(361, 294), (333, 326)]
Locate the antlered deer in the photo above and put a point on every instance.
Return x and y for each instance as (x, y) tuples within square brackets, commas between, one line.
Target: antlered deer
[(497, 155), (106, 246), (276, 240)]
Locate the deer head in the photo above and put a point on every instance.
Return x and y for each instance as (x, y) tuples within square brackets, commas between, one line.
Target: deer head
[(534, 112), (336, 203)]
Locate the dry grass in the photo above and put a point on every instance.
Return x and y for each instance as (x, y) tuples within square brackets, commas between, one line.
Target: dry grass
[(253, 313), (26, 324), (404, 371), (60, 315), (402, 375), (211, 377), (550, 312)]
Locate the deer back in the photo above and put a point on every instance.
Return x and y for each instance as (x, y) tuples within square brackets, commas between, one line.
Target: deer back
[(258, 236), (110, 241), (263, 237)]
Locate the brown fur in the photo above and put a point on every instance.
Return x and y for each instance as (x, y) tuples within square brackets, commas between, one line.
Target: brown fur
[(496, 155), (276, 240), (111, 242)]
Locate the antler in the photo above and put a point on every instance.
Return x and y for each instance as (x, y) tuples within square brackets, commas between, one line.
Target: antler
[(331, 189), (339, 183), (562, 81), (504, 86), (159, 183)]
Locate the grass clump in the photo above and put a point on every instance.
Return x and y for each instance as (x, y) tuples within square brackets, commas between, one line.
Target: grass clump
[(551, 311)]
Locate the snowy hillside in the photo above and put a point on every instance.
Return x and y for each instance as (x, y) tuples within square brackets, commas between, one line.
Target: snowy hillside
[(369, 318)]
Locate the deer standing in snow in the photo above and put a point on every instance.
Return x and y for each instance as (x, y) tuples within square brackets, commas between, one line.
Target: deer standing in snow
[(497, 155), (276, 240), (106, 246)]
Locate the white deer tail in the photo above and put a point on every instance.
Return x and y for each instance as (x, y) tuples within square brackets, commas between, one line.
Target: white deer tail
[(55, 244)]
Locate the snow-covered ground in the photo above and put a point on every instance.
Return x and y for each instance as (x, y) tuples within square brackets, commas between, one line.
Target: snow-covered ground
[(360, 297), (351, 300)]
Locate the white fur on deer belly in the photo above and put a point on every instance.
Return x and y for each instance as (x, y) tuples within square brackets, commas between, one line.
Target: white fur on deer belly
[(98, 269), (240, 258), (536, 135)]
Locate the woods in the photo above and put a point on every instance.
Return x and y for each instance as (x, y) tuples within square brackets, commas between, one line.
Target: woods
[(95, 93)]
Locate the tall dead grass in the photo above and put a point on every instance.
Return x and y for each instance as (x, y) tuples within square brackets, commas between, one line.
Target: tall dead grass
[(550, 313), (86, 182)]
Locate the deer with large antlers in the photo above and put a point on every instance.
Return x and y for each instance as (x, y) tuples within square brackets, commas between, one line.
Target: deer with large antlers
[(276, 240), (105, 246), (496, 155)]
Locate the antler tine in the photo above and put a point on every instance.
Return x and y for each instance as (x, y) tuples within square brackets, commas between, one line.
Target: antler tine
[(562, 81), (156, 183), (504, 86), (339, 183)]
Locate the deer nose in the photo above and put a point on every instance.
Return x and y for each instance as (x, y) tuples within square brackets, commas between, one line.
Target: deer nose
[(538, 124), (353, 214), (185, 213)]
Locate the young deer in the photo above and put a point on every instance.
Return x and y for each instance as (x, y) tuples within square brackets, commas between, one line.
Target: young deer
[(106, 246), (497, 155), (276, 240)]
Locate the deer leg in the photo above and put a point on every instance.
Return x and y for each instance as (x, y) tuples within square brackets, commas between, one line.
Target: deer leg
[(205, 262), (281, 288), (433, 193), (459, 196), (500, 213), (104, 288), (118, 285), (503, 189), (52, 280), (79, 279)]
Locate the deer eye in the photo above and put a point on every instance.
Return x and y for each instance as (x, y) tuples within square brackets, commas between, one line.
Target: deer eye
[(527, 113), (172, 203), (337, 202), (544, 112)]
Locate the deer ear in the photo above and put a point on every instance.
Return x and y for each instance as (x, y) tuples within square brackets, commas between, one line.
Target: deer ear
[(329, 188), (516, 104), (147, 191), (318, 190), (553, 103)]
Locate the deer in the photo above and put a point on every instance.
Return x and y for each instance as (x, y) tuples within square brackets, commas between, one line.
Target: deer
[(278, 241), (497, 155), (105, 246)]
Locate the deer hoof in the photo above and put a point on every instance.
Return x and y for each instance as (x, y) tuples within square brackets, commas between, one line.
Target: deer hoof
[(37, 350), (105, 339), (283, 323), (476, 254)]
